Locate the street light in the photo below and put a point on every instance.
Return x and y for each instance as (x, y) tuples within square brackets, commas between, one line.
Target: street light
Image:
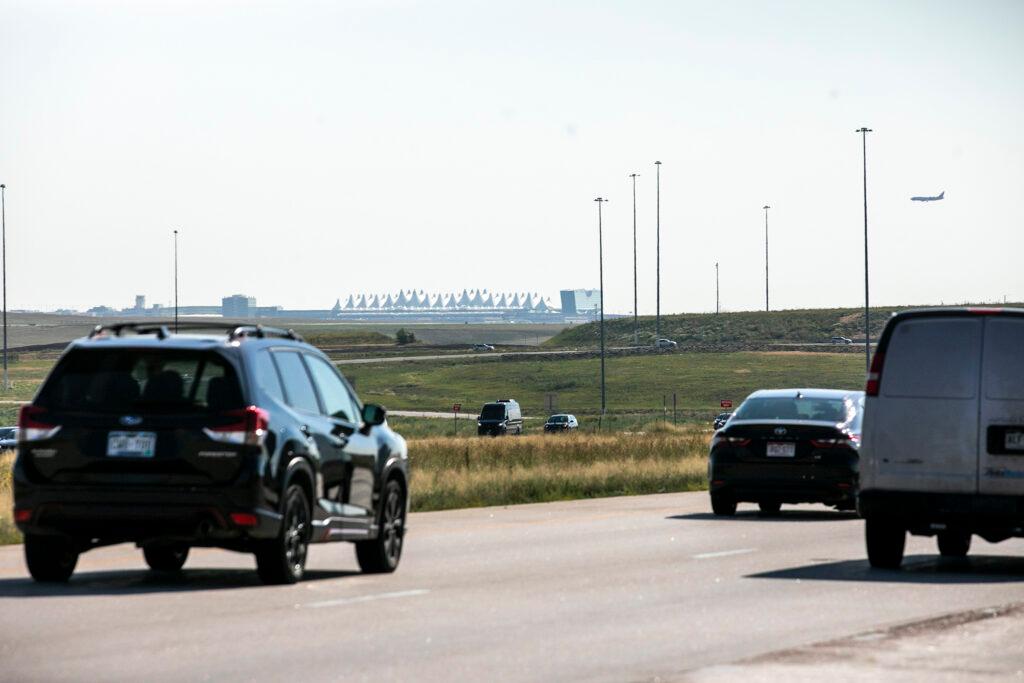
[(3, 238), (657, 223), (175, 280), (636, 314), (766, 207), (600, 260), (717, 300), (867, 327)]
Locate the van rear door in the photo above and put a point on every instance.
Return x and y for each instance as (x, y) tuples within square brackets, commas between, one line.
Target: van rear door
[(923, 426), (1001, 437)]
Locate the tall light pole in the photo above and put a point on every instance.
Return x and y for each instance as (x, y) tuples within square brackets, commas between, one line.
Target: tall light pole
[(657, 229), (766, 207), (175, 280), (636, 314), (867, 327), (600, 260), (717, 300), (3, 230)]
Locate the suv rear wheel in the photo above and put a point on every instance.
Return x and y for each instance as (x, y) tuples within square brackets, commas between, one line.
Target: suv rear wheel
[(50, 559), (381, 555), (954, 543), (283, 559), (166, 557), (885, 542)]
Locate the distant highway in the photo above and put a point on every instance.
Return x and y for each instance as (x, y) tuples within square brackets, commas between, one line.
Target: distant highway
[(619, 589)]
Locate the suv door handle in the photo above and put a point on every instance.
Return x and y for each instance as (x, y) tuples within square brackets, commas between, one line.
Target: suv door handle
[(339, 441), (304, 429)]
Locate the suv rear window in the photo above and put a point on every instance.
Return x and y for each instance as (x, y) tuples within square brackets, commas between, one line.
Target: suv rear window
[(142, 380)]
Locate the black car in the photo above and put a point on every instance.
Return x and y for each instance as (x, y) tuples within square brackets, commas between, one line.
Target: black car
[(563, 422), (501, 417), (721, 419), (246, 438), (788, 446)]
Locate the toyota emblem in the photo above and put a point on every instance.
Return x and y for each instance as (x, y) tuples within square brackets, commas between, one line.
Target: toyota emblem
[(780, 431)]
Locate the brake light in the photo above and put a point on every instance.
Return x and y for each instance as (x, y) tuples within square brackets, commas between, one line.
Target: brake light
[(22, 515), (829, 443), (33, 425), (244, 519), (731, 440), (249, 427), (875, 374), (981, 310)]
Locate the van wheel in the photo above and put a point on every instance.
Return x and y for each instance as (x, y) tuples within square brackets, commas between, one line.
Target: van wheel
[(381, 555), (50, 559), (283, 559), (723, 504), (167, 557), (769, 509), (885, 542), (954, 543)]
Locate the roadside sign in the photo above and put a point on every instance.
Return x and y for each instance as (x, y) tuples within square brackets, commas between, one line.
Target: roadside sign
[(551, 402), (726, 403), (457, 408)]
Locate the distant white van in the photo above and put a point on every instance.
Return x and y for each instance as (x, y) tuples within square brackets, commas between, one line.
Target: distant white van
[(943, 435)]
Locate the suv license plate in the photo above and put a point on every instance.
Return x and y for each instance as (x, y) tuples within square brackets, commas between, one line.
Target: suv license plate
[(777, 449), (1014, 440), (131, 444)]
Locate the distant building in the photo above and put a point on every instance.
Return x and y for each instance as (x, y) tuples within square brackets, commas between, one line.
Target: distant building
[(238, 306), (576, 301), (140, 302)]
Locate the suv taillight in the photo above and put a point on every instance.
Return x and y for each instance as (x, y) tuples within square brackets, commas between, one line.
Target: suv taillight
[(33, 425), (875, 374), (249, 427)]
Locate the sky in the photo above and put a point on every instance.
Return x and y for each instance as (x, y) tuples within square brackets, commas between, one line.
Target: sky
[(309, 150)]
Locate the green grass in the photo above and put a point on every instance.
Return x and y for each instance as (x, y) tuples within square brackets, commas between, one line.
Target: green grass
[(634, 383)]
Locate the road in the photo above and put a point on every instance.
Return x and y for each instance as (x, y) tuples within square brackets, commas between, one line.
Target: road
[(485, 355), (607, 590)]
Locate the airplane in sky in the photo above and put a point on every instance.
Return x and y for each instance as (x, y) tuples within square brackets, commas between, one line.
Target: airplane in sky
[(929, 199)]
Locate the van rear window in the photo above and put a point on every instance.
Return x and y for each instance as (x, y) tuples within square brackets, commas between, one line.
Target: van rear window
[(933, 358), (142, 380), (1004, 359)]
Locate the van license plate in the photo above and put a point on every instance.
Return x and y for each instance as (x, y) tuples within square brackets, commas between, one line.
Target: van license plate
[(778, 449), (1014, 440), (131, 444)]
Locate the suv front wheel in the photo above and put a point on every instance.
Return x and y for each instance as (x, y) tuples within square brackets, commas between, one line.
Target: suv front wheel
[(283, 559), (381, 555)]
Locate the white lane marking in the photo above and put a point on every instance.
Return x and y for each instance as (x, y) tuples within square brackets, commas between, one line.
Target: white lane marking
[(724, 553), (365, 598)]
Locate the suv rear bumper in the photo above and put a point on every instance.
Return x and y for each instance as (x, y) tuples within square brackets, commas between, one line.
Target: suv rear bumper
[(102, 515), (991, 516)]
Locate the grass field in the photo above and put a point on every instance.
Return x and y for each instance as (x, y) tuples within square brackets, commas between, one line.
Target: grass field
[(8, 532)]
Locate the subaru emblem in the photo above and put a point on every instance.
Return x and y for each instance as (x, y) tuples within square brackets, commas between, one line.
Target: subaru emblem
[(130, 420), (779, 431)]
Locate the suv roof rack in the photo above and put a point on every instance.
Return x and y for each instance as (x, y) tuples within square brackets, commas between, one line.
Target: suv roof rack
[(164, 329)]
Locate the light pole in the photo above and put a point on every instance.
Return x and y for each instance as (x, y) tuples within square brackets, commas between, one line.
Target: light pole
[(867, 327), (175, 280), (657, 268), (636, 314), (766, 207), (717, 300), (600, 260), (3, 230)]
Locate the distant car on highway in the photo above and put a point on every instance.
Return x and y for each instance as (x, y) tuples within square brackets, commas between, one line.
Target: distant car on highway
[(841, 340), (482, 347), (788, 446), (666, 344), (246, 438), (501, 417), (8, 438), (944, 432), (721, 419), (563, 422)]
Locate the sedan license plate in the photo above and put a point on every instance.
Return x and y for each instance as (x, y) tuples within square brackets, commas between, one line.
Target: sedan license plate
[(1014, 440), (131, 444), (781, 449)]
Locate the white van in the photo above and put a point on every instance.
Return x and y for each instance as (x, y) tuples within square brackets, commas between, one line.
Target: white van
[(943, 435)]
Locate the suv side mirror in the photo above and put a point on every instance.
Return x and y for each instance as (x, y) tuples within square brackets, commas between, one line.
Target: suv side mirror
[(373, 414)]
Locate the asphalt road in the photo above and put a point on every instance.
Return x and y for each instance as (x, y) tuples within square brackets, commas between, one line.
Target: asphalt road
[(612, 589)]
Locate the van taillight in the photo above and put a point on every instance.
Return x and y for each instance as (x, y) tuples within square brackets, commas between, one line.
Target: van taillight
[(248, 427), (33, 424), (875, 374)]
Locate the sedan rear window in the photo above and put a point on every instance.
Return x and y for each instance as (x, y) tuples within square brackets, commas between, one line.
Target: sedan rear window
[(142, 380), (793, 408)]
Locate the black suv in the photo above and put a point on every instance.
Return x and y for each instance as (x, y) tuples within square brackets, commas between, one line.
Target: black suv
[(247, 439)]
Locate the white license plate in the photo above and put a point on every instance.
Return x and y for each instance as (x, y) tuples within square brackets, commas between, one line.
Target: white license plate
[(131, 444), (781, 449), (1014, 440)]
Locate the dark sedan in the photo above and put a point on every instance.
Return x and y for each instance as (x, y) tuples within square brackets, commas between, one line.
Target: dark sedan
[(788, 446)]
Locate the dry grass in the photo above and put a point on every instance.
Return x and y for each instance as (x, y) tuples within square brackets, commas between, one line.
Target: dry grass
[(8, 532), (449, 473)]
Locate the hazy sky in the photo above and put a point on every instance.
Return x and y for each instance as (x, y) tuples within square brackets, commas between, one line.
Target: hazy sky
[(311, 150)]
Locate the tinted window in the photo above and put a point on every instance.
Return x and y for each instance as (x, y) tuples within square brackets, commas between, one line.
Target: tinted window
[(333, 392), (299, 390), (266, 374), (933, 358), (493, 411), (142, 380), (792, 408), (1004, 359), (558, 419)]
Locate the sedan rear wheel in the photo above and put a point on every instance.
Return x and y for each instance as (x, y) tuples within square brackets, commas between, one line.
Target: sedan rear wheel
[(769, 509), (723, 504), (167, 557), (954, 543)]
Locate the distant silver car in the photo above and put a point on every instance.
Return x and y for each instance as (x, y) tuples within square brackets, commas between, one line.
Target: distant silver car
[(482, 347), (8, 438), (666, 344), (841, 340)]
